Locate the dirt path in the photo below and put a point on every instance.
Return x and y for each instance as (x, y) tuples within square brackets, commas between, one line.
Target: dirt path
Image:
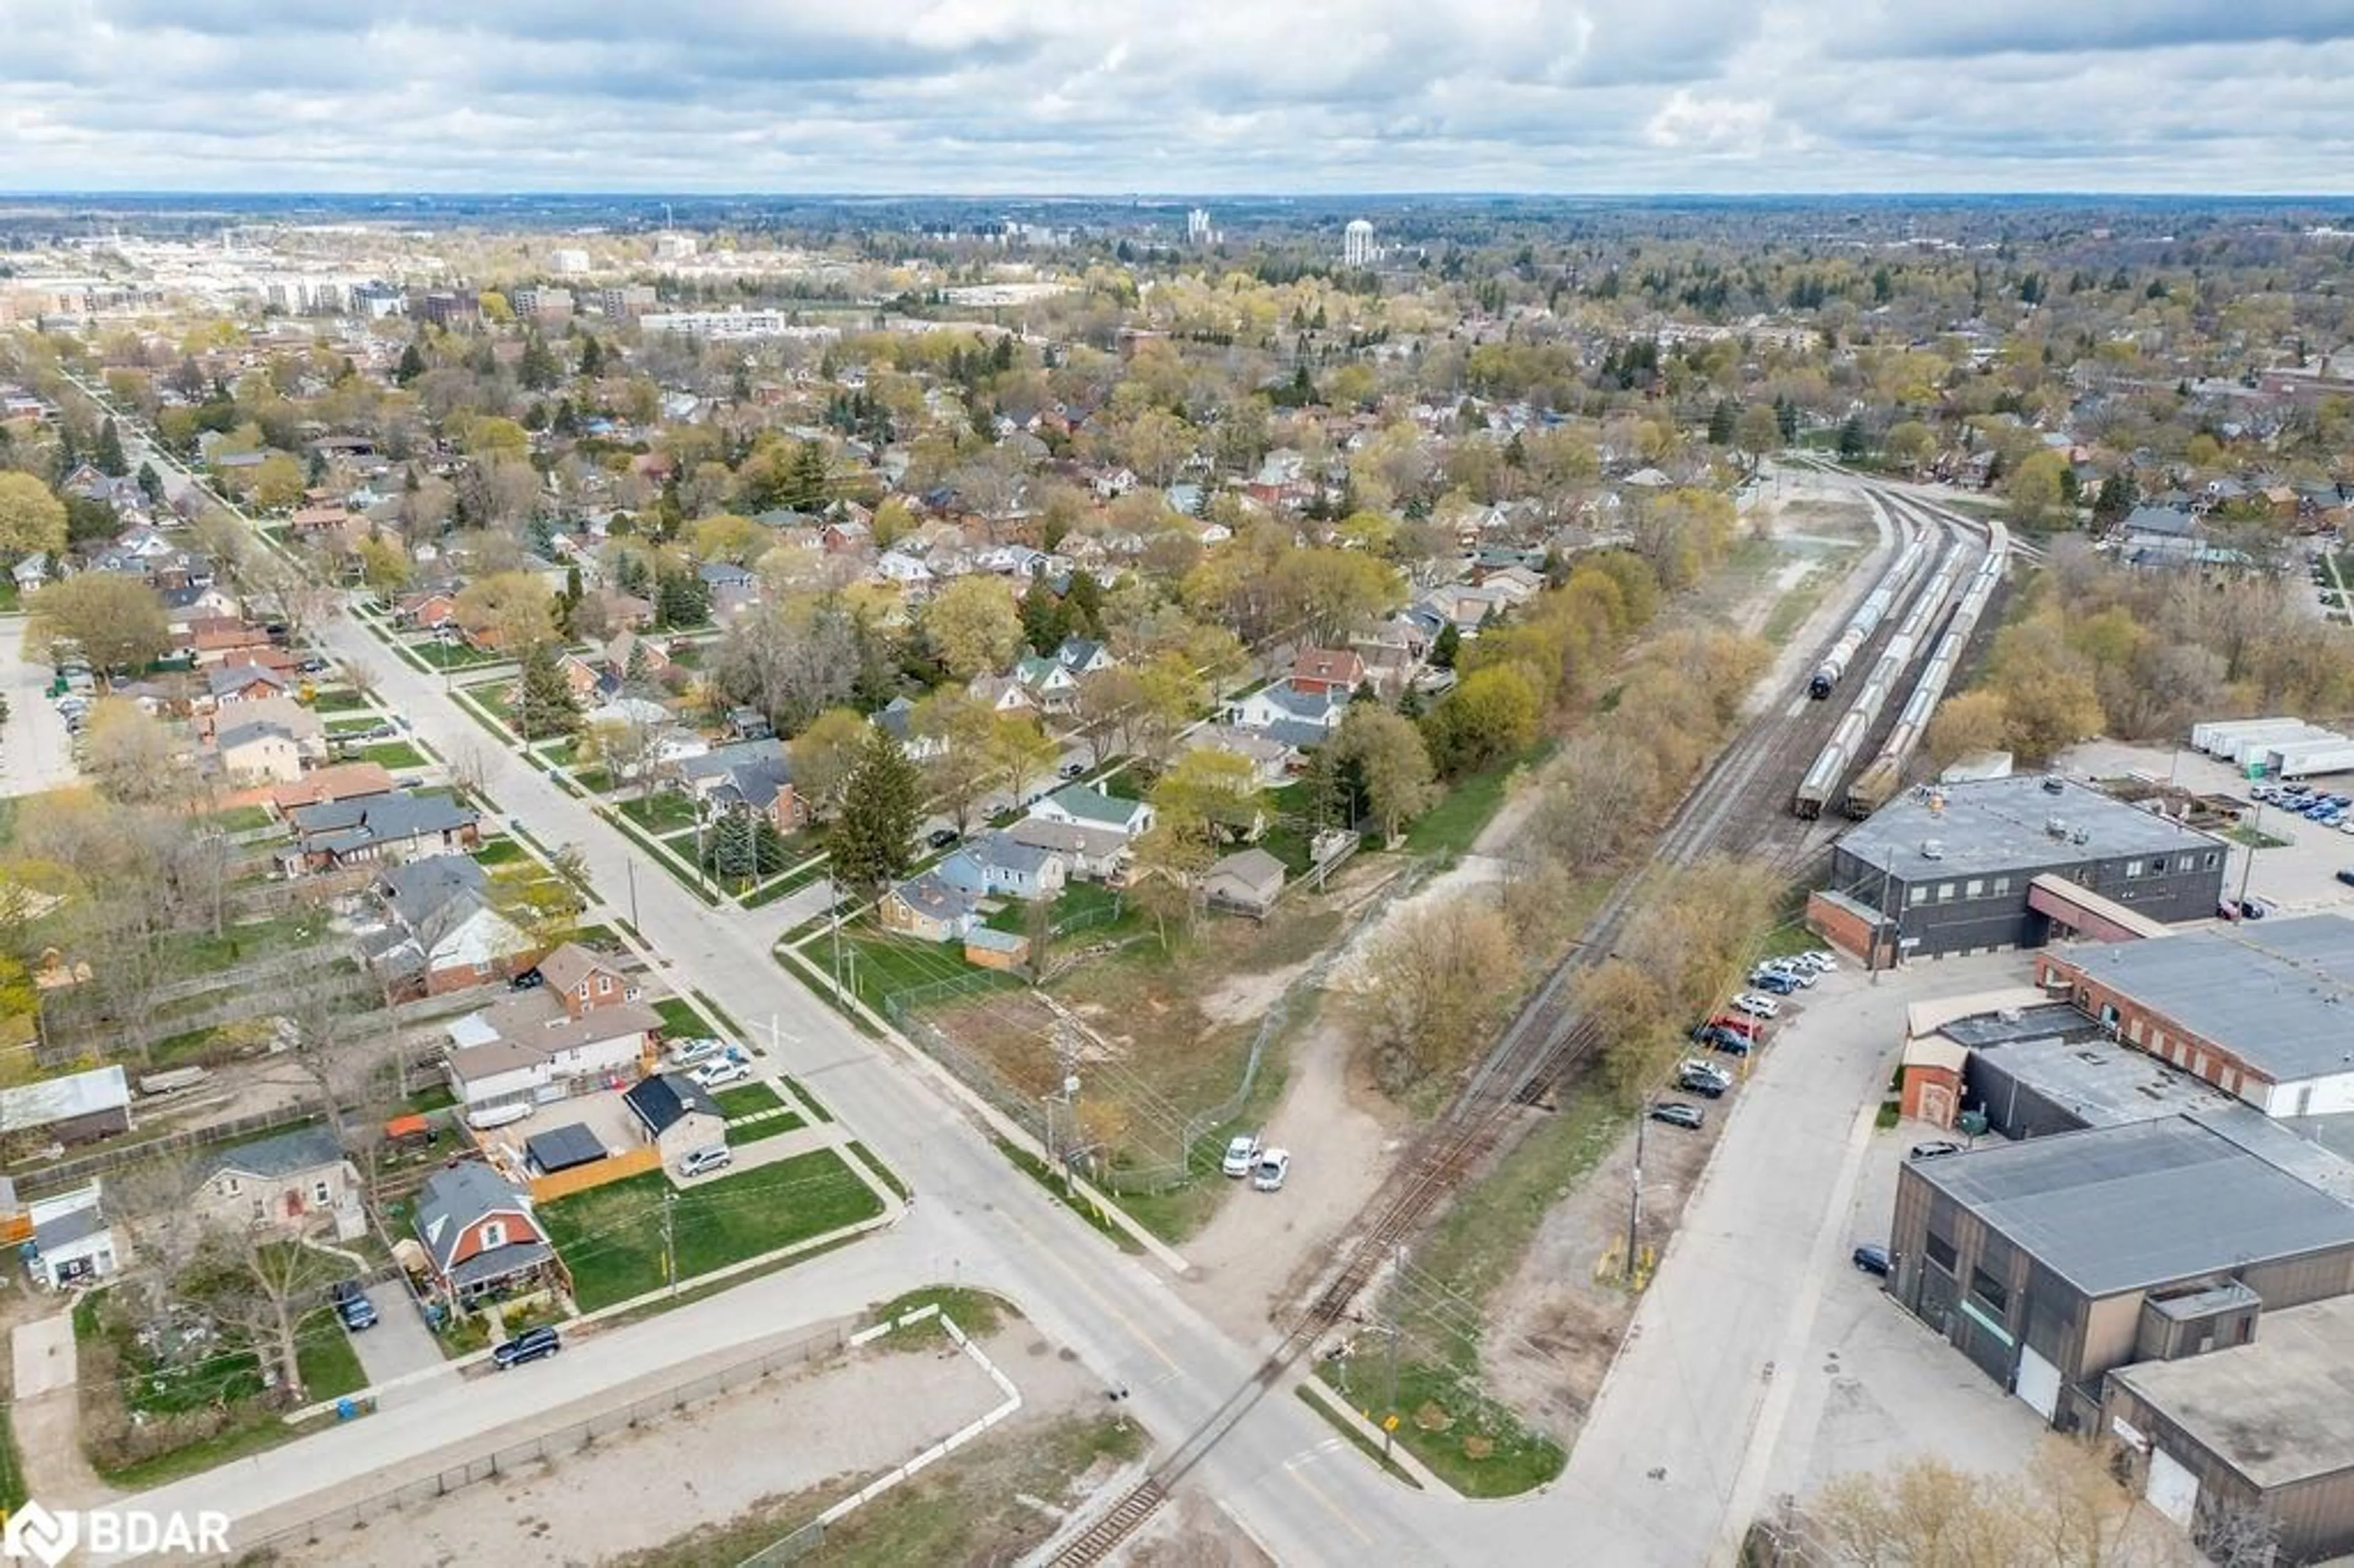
[(846, 1419)]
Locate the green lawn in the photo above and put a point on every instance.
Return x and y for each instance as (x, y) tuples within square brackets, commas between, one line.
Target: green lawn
[(1473, 1444), (817, 1108), (680, 1021), (201, 952), (596, 780), (337, 700), (391, 754), (12, 1468), (499, 852), (359, 724), (611, 1237), (885, 964), (747, 1099), (873, 1162), (666, 812), (743, 1132), (450, 655), (242, 819), (1452, 826)]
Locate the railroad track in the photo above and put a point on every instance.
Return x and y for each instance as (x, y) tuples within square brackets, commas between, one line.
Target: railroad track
[(1739, 803)]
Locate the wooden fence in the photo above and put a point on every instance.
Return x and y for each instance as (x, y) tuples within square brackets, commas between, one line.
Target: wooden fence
[(580, 1178)]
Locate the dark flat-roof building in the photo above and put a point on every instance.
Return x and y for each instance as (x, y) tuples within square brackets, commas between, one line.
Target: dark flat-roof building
[(2011, 863), (2263, 1010), (2051, 1261)]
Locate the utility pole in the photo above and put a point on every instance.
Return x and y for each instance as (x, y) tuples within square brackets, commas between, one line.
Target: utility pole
[(631, 864), (1389, 1330), (2248, 855), (837, 944), (670, 1247), (1635, 1190)]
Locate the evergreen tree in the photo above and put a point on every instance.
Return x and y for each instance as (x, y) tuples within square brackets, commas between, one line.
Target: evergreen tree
[(538, 370), (412, 365), (1444, 648), (109, 456), (1785, 414), (544, 705), (1083, 605), (873, 840), (1044, 623), (630, 574), (682, 598), (804, 486), (1721, 423), (2115, 499), (151, 485), (1852, 444), (593, 357)]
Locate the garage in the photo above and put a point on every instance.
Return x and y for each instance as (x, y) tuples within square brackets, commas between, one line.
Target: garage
[(563, 1149), (2038, 1383), (2173, 1489)]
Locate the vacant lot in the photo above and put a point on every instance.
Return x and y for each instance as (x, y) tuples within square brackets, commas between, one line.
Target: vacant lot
[(612, 1237)]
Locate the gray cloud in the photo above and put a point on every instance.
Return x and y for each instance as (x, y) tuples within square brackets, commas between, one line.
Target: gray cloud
[(1006, 95)]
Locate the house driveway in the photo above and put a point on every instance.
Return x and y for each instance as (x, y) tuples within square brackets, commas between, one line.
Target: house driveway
[(36, 752), (48, 1414), (399, 1347)]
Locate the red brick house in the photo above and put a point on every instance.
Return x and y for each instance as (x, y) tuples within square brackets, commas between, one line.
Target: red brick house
[(482, 1243), (1319, 670)]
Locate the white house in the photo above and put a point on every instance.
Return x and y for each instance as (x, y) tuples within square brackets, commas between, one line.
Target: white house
[(71, 1240), (582, 1030), (1087, 805), (898, 566), (1283, 710)]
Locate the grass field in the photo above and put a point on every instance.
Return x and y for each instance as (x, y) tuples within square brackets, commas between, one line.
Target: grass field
[(337, 700), (1452, 826), (612, 1237), (391, 754), (747, 1099)]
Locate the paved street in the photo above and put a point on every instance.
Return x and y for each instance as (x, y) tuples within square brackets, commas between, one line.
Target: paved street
[(36, 752)]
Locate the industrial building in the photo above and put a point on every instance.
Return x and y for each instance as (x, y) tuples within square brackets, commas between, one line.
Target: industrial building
[(2011, 863), (2263, 1011), (2048, 1263), (2262, 1432)]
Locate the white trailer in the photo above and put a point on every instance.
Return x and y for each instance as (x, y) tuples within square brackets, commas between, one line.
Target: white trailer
[(2210, 736), (2312, 761), (2244, 748)]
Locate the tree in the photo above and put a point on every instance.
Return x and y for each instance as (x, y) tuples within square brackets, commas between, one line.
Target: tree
[(116, 620), (960, 766), (278, 482), (546, 909), (825, 757), (151, 485), (537, 369), (1169, 859), (592, 357), (2063, 1507), (110, 457), (872, 841), (2115, 499), (1427, 984), (1854, 445), (2037, 491), (1491, 713), (1445, 646), (1759, 431), (1910, 444), (412, 365), (128, 754), (507, 610), (1045, 623), (255, 1279), (681, 597), (384, 564), (1019, 752), (972, 625), (31, 518), (544, 708), (1721, 423), (725, 536), (1212, 795), (1391, 759), (1965, 724)]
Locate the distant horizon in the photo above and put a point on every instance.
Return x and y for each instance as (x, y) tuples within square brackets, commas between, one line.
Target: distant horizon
[(1172, 197)]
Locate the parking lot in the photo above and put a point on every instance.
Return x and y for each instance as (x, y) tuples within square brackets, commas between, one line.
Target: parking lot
[(2300, 876)]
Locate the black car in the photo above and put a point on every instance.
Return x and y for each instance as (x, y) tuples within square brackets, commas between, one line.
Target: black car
[(527, 1346), (940, 838), (1871, 1257), (1675, 1113), (2346, 875), (529, 979), (352, 1305)]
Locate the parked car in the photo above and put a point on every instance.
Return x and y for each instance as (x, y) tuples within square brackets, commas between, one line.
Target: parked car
[(1936, 1149), (1071, 769), (1274, 1167), (1748, 1028), (1676, 1113), (1729, 1042), (684, 1054), (1756, 1006), (528, 1346), (1706, 1069), (1707, 1085), (1774, 980), (352, 1305), (1242, 1153), (724, 1071), (940, 838), (1871, 1257), (1801, 974), (527, 980), (703, 1161), (2346, 874)]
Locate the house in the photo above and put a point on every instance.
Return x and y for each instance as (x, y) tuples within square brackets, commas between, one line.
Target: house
[(441, 933), (295, 1180), (754, 776), (997, 863), (677, 1115), (751, 723), (1050, 683), (1001, 693), (585, 981), (895, 719), (926, 907), (344, 781), (582, 681), (719, 574), (397, 826), (79, 1107), (1249, 881), (429, 609), (31, 573), (1089, 854), (71, 1241), (1319, 671), (482, 1243), (1271, 761), (533, 1048), (1088, 806), (227, 684), (1083, 656), (629, 656), (1292, 717), (258, 753), (898, 566), (213, 639)]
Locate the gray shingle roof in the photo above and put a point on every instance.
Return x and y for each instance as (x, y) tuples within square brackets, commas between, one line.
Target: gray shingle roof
[(283, 1154), (662, 1100)]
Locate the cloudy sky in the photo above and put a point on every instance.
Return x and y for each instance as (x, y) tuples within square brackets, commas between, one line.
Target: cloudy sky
[(1177, 96)]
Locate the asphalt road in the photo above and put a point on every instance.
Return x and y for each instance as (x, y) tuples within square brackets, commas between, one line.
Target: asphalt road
[(36, 752)]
